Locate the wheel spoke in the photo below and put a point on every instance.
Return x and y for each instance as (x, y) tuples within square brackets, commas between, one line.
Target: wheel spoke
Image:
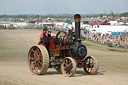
[(60, 35), (66, 71), (92, 60), (88, 69), (37, 52), (40, 54), (92, 70), (30, 58), (91, 65), (40, 62), (36, 69), (89, 61), (31, 54), (33, 51), (66, 61), (32, 66), (69, 61), (41, 59), (70, 68), (39, 66)]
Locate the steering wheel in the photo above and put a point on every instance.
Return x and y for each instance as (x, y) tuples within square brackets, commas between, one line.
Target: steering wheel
[(61, 35)]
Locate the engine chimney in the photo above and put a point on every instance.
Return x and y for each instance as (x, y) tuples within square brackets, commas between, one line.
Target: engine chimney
[(77, 19)]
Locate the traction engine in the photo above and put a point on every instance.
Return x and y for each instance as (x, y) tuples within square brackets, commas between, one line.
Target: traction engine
[(65, 53)]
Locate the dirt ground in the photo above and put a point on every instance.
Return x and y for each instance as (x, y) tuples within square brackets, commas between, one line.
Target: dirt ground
[(14, 46)]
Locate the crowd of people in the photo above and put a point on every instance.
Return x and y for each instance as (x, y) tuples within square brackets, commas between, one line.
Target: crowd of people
[(117, 40), (57, 28), (110, 40)]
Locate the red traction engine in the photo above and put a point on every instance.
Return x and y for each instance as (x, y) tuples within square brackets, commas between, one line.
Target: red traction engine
[(65, 53)]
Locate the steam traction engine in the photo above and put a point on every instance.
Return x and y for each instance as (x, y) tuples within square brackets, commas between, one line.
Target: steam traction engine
[(65, 53)]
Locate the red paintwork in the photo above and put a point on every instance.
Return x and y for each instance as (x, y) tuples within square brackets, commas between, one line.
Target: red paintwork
[(40, 43), (79, 63), (52, 44), (66, 41)]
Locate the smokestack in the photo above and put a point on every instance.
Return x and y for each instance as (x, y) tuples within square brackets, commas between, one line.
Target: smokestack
[(77, 19)]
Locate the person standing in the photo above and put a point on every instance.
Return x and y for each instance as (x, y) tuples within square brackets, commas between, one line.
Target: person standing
[(43, 34), (44, 37)]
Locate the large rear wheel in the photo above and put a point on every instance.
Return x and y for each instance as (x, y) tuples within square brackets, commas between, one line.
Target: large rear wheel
[(91, 65), (38, 59), (68, 66)]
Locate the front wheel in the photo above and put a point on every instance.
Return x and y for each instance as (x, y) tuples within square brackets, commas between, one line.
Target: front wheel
[(68, 66), (91, 65)]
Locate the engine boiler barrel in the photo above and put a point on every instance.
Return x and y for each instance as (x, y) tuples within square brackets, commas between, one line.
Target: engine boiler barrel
[(77, 19), (79, 51)]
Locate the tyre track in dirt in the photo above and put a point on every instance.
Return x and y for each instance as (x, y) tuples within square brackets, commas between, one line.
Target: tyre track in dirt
[(14, 69)]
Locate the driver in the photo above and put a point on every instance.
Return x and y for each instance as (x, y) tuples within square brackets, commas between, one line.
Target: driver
[(44, 34), (44, 37)]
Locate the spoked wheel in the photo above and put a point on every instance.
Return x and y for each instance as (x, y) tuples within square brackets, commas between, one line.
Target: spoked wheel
[(61, 35), (68, 66), (38, 59), (91, 65)]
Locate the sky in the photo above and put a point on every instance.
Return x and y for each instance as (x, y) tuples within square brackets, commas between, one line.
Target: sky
[(62, 6)]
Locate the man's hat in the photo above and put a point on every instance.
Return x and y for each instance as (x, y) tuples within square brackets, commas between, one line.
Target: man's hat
[(45, 29)]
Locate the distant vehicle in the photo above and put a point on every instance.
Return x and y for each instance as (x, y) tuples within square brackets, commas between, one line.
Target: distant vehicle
[(11, 27)]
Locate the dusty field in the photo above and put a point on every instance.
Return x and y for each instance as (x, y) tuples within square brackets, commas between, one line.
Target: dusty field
[(14, 46)]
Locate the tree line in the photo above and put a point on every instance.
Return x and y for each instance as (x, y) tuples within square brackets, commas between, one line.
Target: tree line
[(124, 14), (25, 16)]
